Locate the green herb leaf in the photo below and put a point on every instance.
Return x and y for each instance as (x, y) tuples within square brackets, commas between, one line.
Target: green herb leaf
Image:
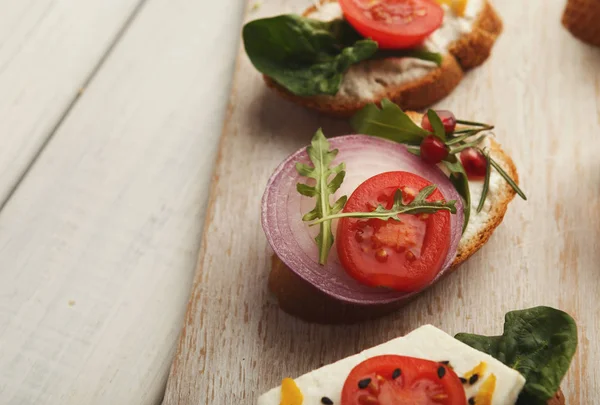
[(467, 145), (459, 179), (506, 177), (415, 151), (389, 122), (474, 124), (486, 182), (539, 343), (419, 205), (437, 125), (422, 54), (321, 157), (460, 139), (308, 57)]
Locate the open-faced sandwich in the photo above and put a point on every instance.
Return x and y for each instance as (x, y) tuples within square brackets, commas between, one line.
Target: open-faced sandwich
[(525, 366), (342, 55), (361, 223), (581, 18)]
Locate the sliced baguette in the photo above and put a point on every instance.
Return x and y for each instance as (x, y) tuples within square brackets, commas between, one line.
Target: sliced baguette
[(469, 51), (301, 299), (581, 19)]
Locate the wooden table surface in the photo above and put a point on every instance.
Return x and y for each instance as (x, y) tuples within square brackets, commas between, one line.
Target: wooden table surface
[(110, 115), (541, 89)]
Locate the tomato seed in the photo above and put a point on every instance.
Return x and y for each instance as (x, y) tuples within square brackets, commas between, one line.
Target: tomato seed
[(410, 256), (362, 384), (381, 255), (373, 389), (359, 236), (439, 397), (368, 400)]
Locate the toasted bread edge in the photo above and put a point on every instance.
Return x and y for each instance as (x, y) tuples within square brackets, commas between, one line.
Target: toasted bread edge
[(581, 19)]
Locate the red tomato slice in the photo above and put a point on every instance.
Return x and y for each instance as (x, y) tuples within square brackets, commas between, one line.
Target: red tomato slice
[(393, 380), (394, 24), (402, 255)]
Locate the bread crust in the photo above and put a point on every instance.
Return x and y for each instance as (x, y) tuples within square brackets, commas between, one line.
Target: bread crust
[(301, 299), (581, 19), (558, 399), (467, 52)]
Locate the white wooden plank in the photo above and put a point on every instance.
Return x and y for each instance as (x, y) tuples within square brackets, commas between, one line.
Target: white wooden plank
[(98, 244), (542, 90), (48, 48)]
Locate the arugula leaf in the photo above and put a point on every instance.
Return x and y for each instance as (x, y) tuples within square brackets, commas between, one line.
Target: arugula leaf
[(308, 57), (389, 122), (437, 125), (419, 205), (321, 157), (539, 343), (458, 177)]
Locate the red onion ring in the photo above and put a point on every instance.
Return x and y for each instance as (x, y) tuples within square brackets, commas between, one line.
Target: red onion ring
[(293, 240)]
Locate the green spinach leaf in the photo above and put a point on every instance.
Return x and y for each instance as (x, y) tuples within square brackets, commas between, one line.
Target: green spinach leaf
[(388, 122), (539, 343), (308, 57)]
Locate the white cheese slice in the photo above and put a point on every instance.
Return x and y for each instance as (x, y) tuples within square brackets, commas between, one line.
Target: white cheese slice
[(426, 342)]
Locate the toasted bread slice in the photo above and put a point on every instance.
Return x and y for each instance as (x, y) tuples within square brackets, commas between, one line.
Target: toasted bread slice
[(469, 51), (303, 300), (559, 399), (581, 19)]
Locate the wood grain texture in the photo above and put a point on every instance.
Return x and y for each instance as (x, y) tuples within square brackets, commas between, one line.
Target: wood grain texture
[(541, 89), (48, 49), (99, 242)]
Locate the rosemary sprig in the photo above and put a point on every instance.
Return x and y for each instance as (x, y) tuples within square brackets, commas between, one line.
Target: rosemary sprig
[(508, 179), (419, 205), (475, 124), (467, 145), (486, 182), (459, 139)]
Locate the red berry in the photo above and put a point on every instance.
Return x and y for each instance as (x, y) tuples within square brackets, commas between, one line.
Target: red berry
[(474, 163), (433, 150), (448, 119)]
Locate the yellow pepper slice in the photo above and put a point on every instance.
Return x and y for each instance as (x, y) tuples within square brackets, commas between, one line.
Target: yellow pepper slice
[(290, 393), (486, 392), (457, 6)]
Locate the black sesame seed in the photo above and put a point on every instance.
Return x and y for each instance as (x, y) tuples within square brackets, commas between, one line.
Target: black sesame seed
[(473, 379), (326, 401), (472, 401), (462, 380), (441, 372), (397, 373), (446, 362), (362, 384)]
